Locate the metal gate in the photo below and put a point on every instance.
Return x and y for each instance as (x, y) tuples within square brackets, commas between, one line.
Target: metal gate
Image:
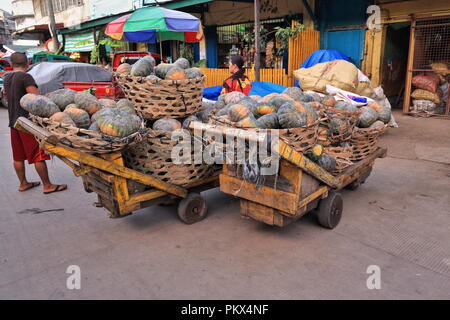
[(429, 52)]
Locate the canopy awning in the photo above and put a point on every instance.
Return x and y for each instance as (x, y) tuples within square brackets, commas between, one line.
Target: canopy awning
[(37, 28), (79, 42)]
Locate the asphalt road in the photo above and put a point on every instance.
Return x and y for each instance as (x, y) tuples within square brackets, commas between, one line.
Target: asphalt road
[(398, 221)]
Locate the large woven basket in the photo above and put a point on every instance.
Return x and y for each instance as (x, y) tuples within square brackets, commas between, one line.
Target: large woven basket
[(154, 99), (300, 139), (152, 156), (342, 155), (86, 140), (339, 123), (364, 142)]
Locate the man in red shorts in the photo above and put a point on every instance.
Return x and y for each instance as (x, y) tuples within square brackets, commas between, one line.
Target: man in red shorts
[(24, 146)]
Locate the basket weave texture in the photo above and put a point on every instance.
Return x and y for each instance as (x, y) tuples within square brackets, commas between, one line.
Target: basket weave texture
[(342, 156), (152, 156), (340, 124), (300, 139), (155, 99), (364, 142), (86, 140)]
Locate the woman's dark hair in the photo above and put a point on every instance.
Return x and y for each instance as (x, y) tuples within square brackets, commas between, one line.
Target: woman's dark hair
[(239, 62)]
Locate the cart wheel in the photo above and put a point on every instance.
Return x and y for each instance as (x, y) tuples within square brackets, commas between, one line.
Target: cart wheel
[(192, 209), (330, 210)]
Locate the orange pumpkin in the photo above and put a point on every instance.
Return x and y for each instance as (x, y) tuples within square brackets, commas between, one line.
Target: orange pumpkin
[(238, 112), (176, 74), (247, 122)]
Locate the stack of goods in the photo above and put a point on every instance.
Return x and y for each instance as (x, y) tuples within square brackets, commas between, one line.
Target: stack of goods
[(167, 90), (428, 96), (168, 97), (82, 121), (291, 113)]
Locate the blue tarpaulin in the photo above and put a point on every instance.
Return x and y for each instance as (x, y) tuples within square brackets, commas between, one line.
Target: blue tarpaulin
[(320, 56), (258, 88)]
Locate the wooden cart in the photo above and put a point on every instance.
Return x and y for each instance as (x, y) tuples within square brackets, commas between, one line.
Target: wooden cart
[(300, 186), (107, 176)]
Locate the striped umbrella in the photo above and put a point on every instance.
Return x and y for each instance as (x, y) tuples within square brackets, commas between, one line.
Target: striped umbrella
[(156, 24)]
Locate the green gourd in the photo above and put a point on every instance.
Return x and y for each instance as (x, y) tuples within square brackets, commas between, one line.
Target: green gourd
[(162, 69), (238, 112), (182, 63), (79, 116), (233, 97), (367, 117), (87, 102), (385, 114), (41, 106), (268, 121), (289, 117), (62, 117), (117, 123), (306, 98), (193, 73), (278, 101), (62, 97), (142, 68), (166, 124), (327, 162), (294, 92), (107, 103)]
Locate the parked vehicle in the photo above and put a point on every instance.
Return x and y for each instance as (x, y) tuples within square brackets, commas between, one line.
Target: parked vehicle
[(48, 56), (131, 57)]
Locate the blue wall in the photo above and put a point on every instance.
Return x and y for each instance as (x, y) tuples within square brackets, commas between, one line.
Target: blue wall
[(333, 14), (211, 46)]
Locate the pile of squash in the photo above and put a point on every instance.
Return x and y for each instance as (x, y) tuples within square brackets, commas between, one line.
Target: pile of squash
[(146, 67), (83, 110)]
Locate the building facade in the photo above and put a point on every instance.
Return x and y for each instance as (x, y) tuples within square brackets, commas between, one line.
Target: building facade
[(7, 27)]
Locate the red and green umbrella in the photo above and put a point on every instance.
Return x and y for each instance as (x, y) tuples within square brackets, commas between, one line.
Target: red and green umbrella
[(155, 24)]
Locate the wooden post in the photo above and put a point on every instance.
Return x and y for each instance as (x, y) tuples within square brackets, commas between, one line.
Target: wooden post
[(51, 15), (409, 67), (257, 41)]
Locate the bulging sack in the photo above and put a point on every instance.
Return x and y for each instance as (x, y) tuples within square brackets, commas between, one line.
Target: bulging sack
[(338, 73), (421, 94), (429, 82)]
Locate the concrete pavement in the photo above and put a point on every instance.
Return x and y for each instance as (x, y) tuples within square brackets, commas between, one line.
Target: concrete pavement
[(398, 220)]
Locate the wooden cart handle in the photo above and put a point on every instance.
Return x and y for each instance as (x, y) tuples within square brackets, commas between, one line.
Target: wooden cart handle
[(25, 125)]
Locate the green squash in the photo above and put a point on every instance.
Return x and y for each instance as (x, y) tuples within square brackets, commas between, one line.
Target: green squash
[(268, 121), (278, 101), (162, 69), (79, 116), (188, 121), (152, 76), (142, 68), (124, 102), (289, 117), (182, 63), (94, 127), (385, 114), (41, 106), (307, 98), (117, 123), (87, 102), (193, 73), (166, 124), (377, 124), (327, 163), (62, 117), (233, 97), (107, 103), (62, 97), (176, 73), (248, 102), (367, 117), (248, 122), (294, 92), (238, 112)]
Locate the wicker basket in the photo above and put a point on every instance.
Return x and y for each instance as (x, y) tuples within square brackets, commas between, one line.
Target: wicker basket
[(86, 140), (346, 124), (154, 99), (300, 139), (342, 155), (364, 142), (152, 156)]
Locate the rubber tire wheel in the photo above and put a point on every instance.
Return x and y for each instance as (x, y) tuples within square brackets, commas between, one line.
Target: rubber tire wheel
[(330, 210), (192, 209)]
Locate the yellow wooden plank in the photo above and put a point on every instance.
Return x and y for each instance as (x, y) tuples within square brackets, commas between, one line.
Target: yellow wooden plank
[(119, 186), (313, 196), (115, 169), (277, 199), (409, 67)]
